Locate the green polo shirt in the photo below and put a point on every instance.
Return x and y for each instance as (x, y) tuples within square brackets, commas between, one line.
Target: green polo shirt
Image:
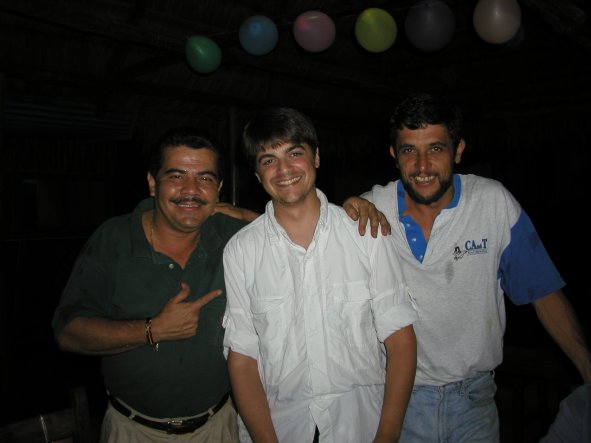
[(119, 276)]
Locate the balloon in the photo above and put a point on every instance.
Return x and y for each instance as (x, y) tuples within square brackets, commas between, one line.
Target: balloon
[(375, 30), (429, 25), (314, 31), (258, 35), (497, 21), (203, 54)]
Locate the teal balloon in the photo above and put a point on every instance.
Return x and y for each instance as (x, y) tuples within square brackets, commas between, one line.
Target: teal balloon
[(203, 54), (258, 35)]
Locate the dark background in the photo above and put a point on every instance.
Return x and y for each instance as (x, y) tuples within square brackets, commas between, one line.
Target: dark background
[(85, 87)]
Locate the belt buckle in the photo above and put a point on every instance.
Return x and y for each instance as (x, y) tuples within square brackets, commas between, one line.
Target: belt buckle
[(177, 426)]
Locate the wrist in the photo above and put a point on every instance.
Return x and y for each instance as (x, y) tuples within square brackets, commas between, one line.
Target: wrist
[(149, 337)]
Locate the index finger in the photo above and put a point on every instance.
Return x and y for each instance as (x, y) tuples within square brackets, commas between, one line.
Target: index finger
[(202, 301)]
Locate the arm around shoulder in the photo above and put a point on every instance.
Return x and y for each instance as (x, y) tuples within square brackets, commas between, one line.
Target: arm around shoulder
[(236, 212), (362, 210)]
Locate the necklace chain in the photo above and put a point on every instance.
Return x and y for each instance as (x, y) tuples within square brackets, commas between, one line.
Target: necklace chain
[(152, 224)]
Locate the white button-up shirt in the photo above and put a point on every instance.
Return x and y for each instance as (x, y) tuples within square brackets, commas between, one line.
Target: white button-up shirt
[(315, 321)]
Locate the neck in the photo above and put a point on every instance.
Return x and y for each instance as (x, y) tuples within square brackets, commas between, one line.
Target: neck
[(299, 221), (425, 215), (177, 245)]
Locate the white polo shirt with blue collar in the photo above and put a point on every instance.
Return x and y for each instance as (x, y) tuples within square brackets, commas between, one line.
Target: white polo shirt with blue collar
[(481, 246)]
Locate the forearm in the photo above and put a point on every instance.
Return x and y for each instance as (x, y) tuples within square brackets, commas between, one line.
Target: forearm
[(400, 373), (559, 319), (250, 398), (100, 336), (236, 212)]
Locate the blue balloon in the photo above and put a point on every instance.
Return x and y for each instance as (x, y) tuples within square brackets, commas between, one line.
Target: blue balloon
[(258, 35)]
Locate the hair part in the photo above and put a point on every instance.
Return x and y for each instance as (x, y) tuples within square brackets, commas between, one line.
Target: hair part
[(275, 126), (422, 109), (184, 136)]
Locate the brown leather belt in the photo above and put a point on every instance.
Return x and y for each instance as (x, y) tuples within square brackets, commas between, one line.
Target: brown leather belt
[(172, 426)]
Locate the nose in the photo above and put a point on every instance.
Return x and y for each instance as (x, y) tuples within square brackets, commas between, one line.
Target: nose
[(422, 161), (282, 166), (191, 185)]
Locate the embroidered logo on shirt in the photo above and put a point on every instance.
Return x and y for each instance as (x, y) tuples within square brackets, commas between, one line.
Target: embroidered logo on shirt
[(458, 254), (471, 247)]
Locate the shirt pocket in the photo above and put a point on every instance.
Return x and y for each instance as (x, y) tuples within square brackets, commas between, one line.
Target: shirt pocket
[(272, 318), (353, 335)]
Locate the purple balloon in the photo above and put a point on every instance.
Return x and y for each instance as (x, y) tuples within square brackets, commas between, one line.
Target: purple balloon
[(429, 25), (314, 31)]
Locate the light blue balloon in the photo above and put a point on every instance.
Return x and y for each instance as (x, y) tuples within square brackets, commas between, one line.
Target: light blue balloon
[(258, 35)]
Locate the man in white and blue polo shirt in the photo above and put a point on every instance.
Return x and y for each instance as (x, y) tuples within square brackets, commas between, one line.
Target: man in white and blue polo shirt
[(463, 241)]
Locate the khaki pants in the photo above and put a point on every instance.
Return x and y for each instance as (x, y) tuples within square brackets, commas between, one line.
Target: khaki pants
[(221, 428)]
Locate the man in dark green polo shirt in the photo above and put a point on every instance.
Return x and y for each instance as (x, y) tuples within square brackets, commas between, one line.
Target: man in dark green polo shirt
[(146, 294)]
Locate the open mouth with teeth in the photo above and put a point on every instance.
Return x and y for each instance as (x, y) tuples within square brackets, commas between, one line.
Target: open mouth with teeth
[(424, 179), (288, 182), (190, 203)]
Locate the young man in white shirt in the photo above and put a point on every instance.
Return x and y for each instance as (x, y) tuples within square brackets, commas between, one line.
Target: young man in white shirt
[(319, 333)]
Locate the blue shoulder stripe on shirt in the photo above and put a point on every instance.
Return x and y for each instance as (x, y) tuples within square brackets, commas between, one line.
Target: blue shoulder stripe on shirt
[(526, 270)]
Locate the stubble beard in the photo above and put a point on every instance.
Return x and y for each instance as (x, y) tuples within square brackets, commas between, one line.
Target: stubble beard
[(429, 199)]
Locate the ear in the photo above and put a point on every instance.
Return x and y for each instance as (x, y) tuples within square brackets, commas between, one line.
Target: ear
[(393, 154), (317, 158), (258, 177), (151, 185), (220, 186), (459, 151)]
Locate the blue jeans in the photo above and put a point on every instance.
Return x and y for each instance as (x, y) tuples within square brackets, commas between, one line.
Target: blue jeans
[(462, 411)]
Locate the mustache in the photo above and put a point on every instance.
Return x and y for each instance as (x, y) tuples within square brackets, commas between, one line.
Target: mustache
[(190, 199)]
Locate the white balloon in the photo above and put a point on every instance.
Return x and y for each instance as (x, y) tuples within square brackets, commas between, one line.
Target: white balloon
[(497, 21)]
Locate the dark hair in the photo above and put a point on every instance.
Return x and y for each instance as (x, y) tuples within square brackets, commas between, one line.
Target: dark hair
[(420, 110), (182, 136), (274, 126)]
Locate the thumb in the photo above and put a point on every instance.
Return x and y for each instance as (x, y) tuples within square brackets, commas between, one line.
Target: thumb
[(351, 210)]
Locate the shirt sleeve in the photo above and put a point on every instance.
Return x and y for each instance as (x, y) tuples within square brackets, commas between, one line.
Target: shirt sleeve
[(240, 335), (85, 294), (526, 271), (392, 304)]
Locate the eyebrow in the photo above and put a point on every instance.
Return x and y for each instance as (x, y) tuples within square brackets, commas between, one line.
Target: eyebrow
[(264, 157), (267, 152), (183, 171), (435, 143)]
